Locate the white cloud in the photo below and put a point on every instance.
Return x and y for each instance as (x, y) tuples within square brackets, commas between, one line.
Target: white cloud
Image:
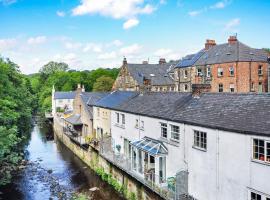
[(61, 13), (7, 44), (220, 5), (37, 40), (73, 45), (97, 48), (117, 43), (8, 2), (107, 56), (232, 24), (168, 54), (116, 9), (194, 13), (130, 23), (130, 50), (71, 59)]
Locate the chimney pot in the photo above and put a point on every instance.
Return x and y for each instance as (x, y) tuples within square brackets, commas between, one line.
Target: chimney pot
[(232, 39), (124, 61), (162, 61), (209, 43)]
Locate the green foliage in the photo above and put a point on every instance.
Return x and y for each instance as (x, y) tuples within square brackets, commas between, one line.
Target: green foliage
[(122, 189), (267, 50), (56, 74), (79, 197), (103, 84), (17, 103)]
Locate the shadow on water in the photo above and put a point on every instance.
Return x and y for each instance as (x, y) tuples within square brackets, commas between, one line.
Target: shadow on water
[(53, 172)]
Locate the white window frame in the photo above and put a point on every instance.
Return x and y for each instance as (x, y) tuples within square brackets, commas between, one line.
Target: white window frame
[(137, 123), (260, 70), (262, 195), (117, 118), (123, 119), (231, 70), (142, 125), (175, 133), (220, 72), (185, 73), (266, 151), (208, 71), (199, 73), (232, 87), (164, 126), (200, 143)]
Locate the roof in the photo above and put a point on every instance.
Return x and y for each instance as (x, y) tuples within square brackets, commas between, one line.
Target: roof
[(74, 119), (238, 51), (64, 95), (115, 99), (189, 60), (90, 98), (243, 113), (152, 146), (157, 73)]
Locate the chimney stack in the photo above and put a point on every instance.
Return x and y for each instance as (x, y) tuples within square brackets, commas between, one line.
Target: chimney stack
[(209, 44), (145, 62), (232, 39), (198, 89), (79, 88), (162, 61), (125, 61)]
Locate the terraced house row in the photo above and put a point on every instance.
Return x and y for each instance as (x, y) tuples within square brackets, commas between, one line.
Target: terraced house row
[(180, 145), (229, 67)]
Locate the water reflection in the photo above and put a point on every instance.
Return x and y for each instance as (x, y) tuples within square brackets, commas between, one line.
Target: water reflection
[(53, 173)]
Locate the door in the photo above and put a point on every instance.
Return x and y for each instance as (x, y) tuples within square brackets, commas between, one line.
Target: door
[(162, 169)]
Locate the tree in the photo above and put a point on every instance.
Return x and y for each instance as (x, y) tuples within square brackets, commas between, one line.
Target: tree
[(103, 84), (51, 68), (267, 50)]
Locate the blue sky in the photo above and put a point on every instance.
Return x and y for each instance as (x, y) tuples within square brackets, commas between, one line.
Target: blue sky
[(97, 33)]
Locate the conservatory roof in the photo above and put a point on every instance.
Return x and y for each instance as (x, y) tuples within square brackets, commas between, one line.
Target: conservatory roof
[(151, 146)]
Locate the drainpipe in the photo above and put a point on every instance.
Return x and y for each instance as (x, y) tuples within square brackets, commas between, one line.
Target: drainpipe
[(250, 75)]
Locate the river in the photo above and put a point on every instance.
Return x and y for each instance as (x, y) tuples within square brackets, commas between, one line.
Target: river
[(54, 172)]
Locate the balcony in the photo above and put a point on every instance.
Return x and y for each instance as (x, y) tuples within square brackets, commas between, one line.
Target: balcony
[(169, 189)]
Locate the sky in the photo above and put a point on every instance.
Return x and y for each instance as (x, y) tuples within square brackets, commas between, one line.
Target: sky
[(87, 34)]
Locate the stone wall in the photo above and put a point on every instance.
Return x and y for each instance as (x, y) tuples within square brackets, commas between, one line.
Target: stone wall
[(132, 188)]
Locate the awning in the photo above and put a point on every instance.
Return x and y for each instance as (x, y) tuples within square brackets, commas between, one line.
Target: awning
[(151, 146), (74, 119)]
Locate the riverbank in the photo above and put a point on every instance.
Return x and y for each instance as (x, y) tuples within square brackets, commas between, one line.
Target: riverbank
[(54, 172)]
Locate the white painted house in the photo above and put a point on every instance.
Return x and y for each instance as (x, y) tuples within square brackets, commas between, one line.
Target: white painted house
[(216, 146), (62, 101)]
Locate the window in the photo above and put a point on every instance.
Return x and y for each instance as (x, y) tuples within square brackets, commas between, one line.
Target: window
[(231, 70), (231, 87), (260, 70), (185, 74), (163, 130), (172, 88), (199, 72), (156, 89), (255, 196), (200, 139), (160, 89), (117, 118), (98, 112), (123, 119), (208, 72), (260, 89), (142, 124), (261, 150), (137, 123), (220, 71), (252, 87), (186, 87), (175, 132), (220, 87)]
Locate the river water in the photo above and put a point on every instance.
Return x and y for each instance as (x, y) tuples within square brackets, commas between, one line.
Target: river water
[(54, 172)]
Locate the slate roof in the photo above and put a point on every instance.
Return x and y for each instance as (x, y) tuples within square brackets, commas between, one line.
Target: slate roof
[(115, 98), (160, 72), (74, 119), (64, 95), (189, 60), (90, 98), (224, 53), (243, 113)]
